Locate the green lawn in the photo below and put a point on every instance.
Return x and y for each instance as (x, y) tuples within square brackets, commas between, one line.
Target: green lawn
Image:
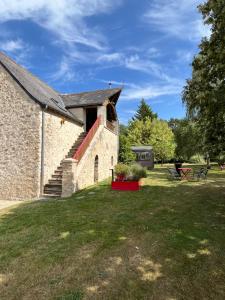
[(165, 242)]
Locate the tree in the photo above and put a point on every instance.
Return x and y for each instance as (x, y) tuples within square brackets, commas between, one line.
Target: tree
[(126, 155), (123, 129), (204, 92), (187, 137), (162, 140), (155, 133), (144, 111), (139, 131)]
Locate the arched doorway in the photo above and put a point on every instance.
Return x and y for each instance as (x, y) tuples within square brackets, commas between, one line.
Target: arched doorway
[(96, 169)]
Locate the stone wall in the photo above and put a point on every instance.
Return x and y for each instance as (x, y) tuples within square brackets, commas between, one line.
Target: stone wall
[(59, 138), (20, 135), (105, 145), (78, 175)]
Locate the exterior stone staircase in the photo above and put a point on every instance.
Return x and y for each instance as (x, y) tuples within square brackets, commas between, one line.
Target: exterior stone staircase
[(54, 187)]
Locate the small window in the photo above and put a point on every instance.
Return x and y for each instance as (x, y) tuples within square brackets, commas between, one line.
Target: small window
[(112, 161)]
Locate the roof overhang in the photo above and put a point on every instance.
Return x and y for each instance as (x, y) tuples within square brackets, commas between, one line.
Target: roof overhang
[(93, 98)]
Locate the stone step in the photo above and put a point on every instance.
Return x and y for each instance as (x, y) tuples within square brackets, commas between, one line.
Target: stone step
[(55, 193), (51, 196), (53, 186), (57, 187), (72, 152), (74, 148), (58, 172), (57, 177), (52, 191), (55, 181)]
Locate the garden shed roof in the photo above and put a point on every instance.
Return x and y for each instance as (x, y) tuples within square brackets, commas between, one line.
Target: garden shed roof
[(141, 148)]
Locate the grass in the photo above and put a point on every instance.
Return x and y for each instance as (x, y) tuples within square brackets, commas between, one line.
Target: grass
[(165, 242)]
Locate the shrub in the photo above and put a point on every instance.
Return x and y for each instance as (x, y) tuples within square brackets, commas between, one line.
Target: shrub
[(131, 173), (197, 159), (221, 159), (137, 172), (121, 170)]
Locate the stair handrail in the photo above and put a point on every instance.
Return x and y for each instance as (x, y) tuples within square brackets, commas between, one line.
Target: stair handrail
[(87, 140)]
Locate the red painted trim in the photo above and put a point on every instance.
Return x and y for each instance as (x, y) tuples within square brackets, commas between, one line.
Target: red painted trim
[(125, 185), (86, 142)]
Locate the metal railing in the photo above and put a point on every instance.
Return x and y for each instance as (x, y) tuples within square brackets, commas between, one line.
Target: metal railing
[(87, 140)]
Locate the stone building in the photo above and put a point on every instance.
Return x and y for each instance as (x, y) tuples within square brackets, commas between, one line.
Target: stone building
[(52, 144), (144, 156)]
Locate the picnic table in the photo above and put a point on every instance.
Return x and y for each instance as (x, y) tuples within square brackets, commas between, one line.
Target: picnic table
[(185, 172)]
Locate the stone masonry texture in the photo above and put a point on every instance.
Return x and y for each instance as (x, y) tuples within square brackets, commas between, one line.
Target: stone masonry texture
[(105, 145), (78, 175), (20, 120), (59, 138), (20, 151)]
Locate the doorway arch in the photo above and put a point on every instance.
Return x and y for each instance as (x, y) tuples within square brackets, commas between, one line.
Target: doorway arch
[(96, 169)]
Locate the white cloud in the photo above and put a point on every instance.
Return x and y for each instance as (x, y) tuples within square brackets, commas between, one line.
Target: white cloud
[(177, 18), (66, 19), (64, 71), (138, 63), (185, 56), (134, 62), (12, 45), (151, 91), (18, 50), (148, 66), (111, 57)]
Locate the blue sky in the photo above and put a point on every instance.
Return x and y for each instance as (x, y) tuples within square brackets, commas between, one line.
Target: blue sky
[(78, 45)]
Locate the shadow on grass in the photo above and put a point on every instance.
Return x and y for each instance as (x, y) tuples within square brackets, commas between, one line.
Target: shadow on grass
[(165, 234)]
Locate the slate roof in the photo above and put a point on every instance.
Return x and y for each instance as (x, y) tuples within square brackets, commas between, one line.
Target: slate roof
[(37, 89), (91, 98)]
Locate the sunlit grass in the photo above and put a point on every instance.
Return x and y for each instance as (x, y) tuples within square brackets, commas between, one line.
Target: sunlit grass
[(166, 241)]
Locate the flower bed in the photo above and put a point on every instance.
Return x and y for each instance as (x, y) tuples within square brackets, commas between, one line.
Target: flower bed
[(127, 178)]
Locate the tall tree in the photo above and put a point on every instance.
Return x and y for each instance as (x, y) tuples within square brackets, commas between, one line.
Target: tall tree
[(139, 131), (126, 155), (204, 92), (162, 140), (144, 111), (187, 137), (155, 133)]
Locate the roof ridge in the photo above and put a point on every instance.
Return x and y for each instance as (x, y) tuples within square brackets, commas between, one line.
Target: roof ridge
[(92, 91)]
